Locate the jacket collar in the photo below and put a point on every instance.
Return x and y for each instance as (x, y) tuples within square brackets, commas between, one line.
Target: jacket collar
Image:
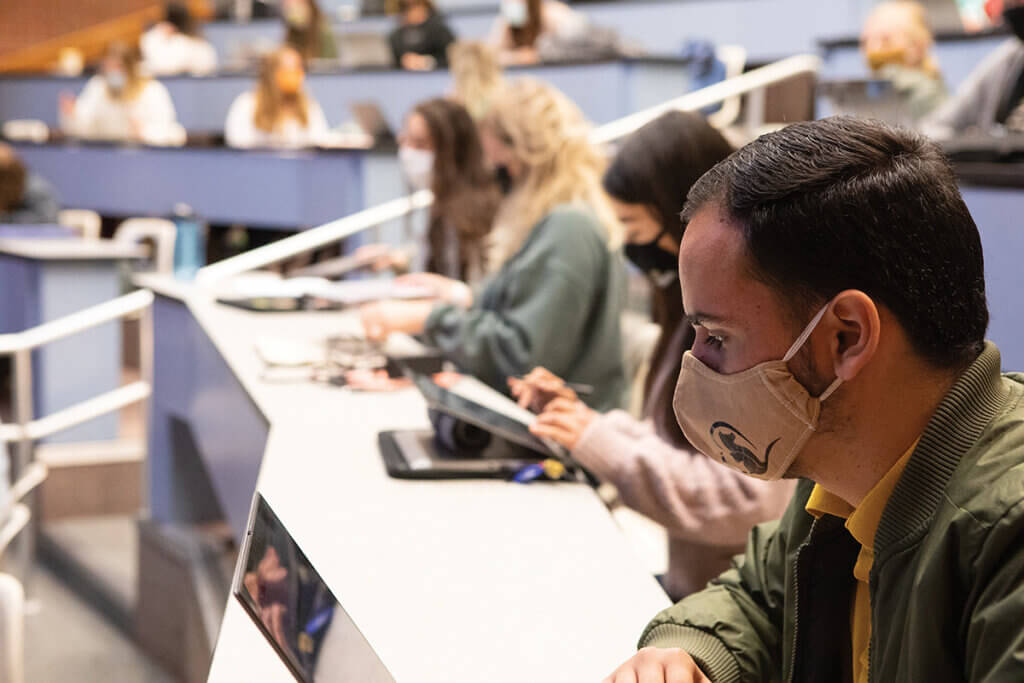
[(973, 402)]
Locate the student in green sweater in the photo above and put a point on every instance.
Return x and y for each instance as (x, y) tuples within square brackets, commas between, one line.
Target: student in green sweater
[(557, 284)]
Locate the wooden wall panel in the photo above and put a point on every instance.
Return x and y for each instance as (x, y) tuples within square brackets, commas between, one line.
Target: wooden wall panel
[(32, 32)]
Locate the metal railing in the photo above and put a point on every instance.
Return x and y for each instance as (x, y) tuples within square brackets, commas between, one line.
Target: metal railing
[(751, 84), (26, 428), (26, 473)]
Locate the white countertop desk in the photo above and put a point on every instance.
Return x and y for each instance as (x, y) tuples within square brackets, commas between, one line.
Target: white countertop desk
[(449, 581)]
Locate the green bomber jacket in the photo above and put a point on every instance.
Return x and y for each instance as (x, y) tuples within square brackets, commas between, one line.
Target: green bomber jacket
[(947, 585)]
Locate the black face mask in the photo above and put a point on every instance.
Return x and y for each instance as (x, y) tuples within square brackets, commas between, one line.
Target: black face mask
[(1013, 17), (504, 179), (650, 258)]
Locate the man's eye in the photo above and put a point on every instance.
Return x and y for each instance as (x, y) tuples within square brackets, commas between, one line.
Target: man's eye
[(713, 341)]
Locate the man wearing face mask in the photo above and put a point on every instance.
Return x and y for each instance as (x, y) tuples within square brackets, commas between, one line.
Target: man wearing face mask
[(835, 281), (992, 97), (896, 43)]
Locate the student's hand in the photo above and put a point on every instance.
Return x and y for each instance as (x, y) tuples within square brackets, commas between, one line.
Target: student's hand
[(66, 104), (659, 665), (383, 257), (440, 287), (563, 421), (520, 56), (414, 62), (538, 388), (384, 317)]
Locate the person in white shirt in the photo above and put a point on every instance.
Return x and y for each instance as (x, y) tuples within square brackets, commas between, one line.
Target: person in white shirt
[(523, 26), (174, 46), (119, 103), (278, 113)]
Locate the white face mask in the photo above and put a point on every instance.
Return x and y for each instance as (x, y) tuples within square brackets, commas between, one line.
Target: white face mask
[(116, 81), (514, 12), (417, 167)]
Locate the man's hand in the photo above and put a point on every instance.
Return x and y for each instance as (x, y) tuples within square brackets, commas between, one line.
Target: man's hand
[(658, 665)]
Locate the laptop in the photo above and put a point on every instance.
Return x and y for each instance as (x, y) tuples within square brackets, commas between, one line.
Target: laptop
[(371, 119), (365, 50), (295, 610)]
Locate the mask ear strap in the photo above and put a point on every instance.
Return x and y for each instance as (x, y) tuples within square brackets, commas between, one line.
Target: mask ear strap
[(831, 389), (806, 333)]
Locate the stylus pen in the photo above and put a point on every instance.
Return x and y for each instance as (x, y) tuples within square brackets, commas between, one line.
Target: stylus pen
[(580, 389)]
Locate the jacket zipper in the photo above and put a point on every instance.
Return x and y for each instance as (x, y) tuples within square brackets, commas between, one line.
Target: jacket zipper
[(796, 601)]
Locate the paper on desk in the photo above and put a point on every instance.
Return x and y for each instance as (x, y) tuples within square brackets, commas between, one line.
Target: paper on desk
[(472, 389), (271, 285), (290, 352), (351, 292)]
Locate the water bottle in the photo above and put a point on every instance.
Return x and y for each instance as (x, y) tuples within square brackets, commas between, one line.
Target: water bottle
[(190, 244)]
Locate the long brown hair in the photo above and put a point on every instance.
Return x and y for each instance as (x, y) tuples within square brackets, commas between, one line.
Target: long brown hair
[(466, 195), (655, 167), (307, 39), (526, 35), (271, 103), (130, 58)]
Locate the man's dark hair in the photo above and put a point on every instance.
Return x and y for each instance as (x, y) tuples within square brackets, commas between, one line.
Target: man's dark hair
[(848, 203)]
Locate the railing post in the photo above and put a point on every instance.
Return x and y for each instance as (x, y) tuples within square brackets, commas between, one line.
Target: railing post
[(20, 555), (754, 118), (22, 410), (146, 351)]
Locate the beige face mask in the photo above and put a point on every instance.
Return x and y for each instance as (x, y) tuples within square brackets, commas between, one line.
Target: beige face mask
[(755, 421)]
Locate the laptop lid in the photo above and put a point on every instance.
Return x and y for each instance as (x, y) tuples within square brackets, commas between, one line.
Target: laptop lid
[(296, 611)]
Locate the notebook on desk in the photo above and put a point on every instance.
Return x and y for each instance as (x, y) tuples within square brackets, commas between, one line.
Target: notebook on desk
[(295, 610)]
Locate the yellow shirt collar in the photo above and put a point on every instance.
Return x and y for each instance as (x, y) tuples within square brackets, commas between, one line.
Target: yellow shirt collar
[(862, 521)]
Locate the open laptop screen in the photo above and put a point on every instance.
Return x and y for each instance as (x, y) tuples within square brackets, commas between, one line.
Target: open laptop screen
[(296, 611)]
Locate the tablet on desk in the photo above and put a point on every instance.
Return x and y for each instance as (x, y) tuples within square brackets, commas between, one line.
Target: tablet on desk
[(472, 401), (296, 611)]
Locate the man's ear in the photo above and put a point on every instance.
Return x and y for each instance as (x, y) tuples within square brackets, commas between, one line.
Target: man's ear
[(857, 329)]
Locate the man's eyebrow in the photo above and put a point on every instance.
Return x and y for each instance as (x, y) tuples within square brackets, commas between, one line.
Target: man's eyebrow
[(698, 318)]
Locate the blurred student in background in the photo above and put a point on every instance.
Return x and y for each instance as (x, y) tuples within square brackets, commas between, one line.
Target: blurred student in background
[(279, 113), (477, 75), (24, 197), (707, 508), (897, 44), (439, 150), (992, 97), (557, 286), (119, 103), (523, 25), (308, 29), (174, 46), (420, 43)]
